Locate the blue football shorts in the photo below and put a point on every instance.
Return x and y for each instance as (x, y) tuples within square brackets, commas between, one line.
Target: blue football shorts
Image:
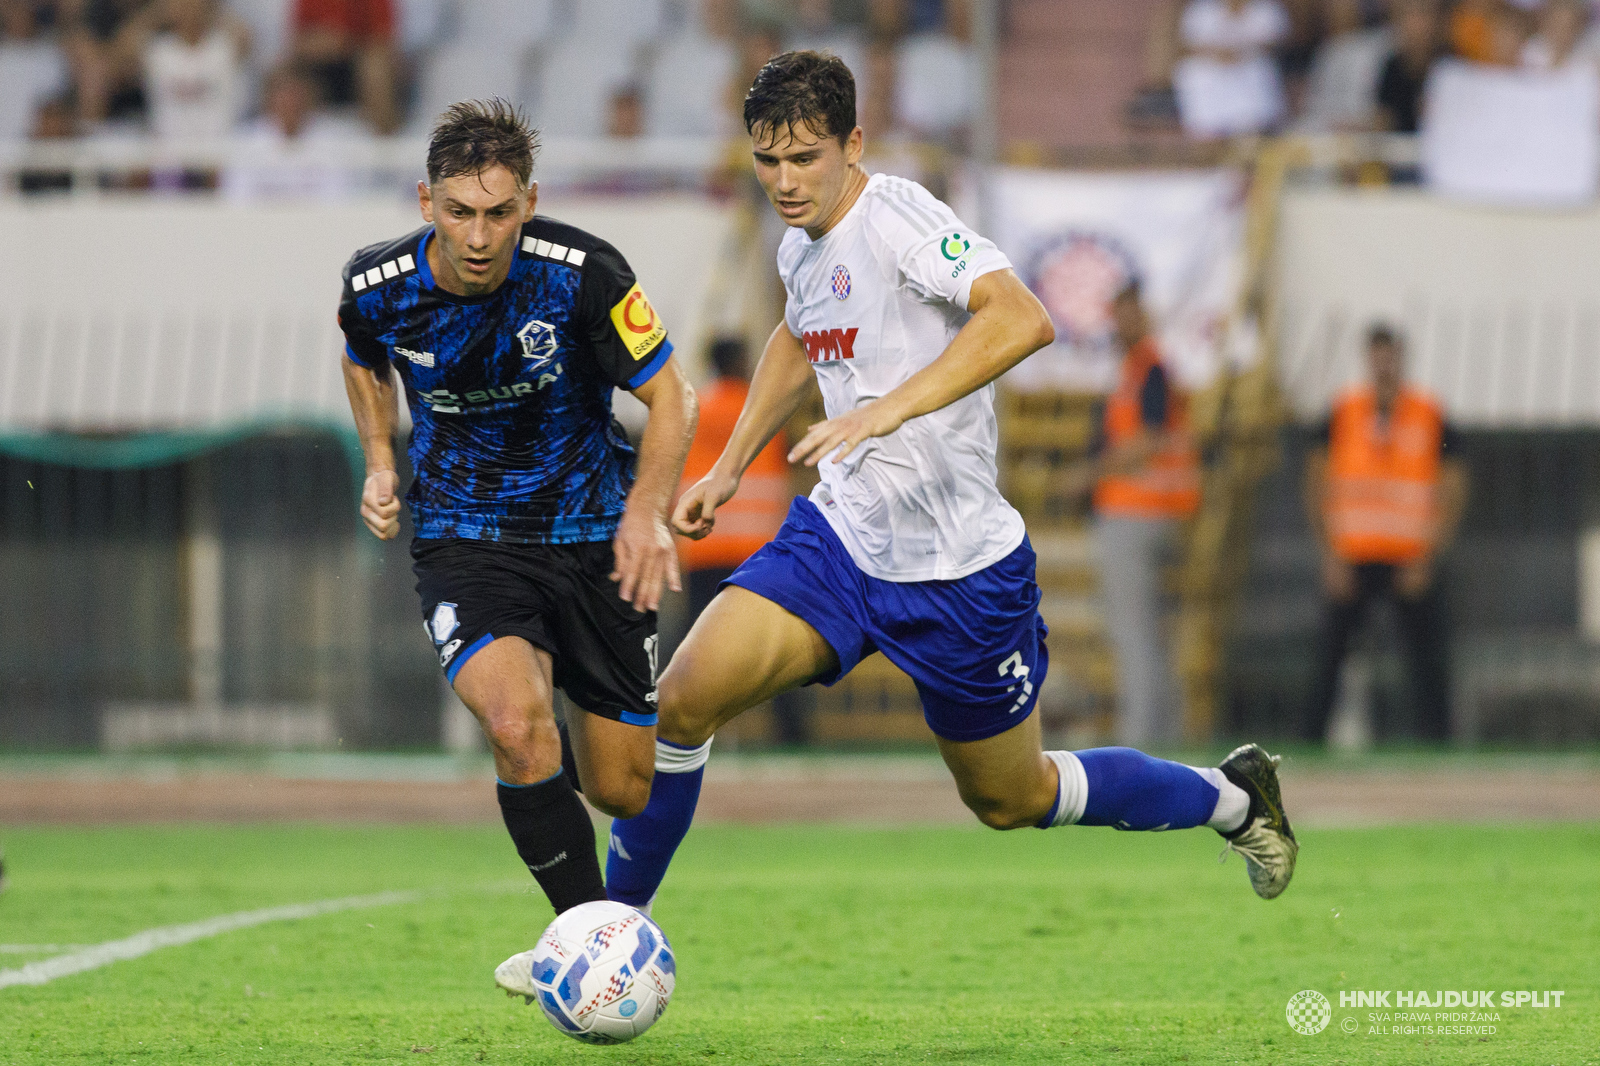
[(974, 646)]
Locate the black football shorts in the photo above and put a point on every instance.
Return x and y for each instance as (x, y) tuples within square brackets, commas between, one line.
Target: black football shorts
[(558, 597)]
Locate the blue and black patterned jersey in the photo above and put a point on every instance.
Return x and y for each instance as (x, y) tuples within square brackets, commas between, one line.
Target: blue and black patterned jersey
[(510, 393)]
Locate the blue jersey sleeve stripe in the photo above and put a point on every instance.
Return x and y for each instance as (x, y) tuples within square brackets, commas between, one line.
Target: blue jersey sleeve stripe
[(658, 361), (356, 359)]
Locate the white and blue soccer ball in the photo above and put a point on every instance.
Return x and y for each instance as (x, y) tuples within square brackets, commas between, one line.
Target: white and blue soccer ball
[(603, 972)]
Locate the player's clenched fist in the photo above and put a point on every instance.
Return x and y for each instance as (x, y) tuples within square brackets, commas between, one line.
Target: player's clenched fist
[(696, 513), (380, 504)]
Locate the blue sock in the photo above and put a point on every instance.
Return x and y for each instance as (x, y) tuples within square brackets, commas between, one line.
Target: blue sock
[(642, 847), (1131, 790)]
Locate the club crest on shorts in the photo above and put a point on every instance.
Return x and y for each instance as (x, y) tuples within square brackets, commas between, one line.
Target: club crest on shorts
[(444, 622), (841, 282)]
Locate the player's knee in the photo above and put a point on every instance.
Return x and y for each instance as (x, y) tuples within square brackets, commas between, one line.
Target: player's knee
[(507, 726), (1000, 812), (517, 729), (683, 719), (1002, 818), (619, 795)]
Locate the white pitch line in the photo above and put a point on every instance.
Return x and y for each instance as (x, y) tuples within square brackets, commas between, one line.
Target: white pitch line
[(132, 947)]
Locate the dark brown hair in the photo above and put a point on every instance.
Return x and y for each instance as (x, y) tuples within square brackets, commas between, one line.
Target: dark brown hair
[(811, 89), (476, 135)]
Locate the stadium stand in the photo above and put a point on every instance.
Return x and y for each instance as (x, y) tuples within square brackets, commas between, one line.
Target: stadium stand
[(573, 82), (1511, 352), (466, 69)]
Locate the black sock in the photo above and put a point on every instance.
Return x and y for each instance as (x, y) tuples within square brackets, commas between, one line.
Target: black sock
[(569, 761), (551, 829)]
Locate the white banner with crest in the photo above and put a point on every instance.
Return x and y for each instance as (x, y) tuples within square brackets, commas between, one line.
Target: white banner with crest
[(1078, 238)]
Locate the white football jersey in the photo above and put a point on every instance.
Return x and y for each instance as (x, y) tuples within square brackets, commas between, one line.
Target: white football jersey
[(875, 300)]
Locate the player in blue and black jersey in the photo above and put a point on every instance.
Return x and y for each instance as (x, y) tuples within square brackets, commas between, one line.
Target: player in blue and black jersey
[(541, 541)]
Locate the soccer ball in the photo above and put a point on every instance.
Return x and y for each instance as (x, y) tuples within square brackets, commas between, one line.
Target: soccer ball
[(603, 972)]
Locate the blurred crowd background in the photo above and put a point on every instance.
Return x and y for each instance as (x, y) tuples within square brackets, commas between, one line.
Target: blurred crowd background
[(1218, 67), (276, 74), (1244, 192), (272, 75)]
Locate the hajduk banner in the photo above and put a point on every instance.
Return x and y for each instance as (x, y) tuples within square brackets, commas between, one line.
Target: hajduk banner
[(1078, 238)]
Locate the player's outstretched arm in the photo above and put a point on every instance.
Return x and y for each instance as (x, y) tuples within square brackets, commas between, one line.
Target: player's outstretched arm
[(373, 402), (645, 556), (1008, 324), (780, 383)]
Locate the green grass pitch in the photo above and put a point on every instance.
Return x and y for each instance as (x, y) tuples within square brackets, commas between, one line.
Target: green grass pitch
[(814, 945)]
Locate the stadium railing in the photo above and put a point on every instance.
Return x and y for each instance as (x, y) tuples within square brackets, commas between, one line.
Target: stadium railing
[(112, 163)]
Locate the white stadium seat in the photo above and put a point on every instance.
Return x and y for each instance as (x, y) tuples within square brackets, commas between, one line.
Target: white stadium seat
[(622, 22), (686, 92), (465, 70), (518, 23), (572, 83), (935, 80)]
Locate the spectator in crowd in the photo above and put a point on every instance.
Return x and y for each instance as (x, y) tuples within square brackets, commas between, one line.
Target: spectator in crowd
[(349, 47), (1405, 72), (32, 69), (1342, 91), (936, 77), (1306, 23), (875, 89), (1560, 38), (745, 522), (932, 16), (193, 57), (625, 112), (773, 14), (294, 148), (1384, 492), (1155, 105), (1227, 82), (1146, 481), (760, 43), (693, 88), (1471, 29), (1508, 36), (107, 74), (53, 120)]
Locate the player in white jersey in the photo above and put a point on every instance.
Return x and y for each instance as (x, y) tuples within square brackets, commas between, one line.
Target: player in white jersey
[(875, 300), (905, 317)]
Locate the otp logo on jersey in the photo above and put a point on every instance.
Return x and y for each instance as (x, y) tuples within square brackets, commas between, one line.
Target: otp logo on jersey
[(828, 345), (636, 323)]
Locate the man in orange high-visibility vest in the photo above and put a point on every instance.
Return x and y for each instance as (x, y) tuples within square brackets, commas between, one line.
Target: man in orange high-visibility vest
[(1384, 491), (1146, 481), (747, 521)]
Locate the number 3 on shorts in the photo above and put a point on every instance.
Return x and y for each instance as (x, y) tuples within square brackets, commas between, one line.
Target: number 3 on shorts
[(1015, 668)]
